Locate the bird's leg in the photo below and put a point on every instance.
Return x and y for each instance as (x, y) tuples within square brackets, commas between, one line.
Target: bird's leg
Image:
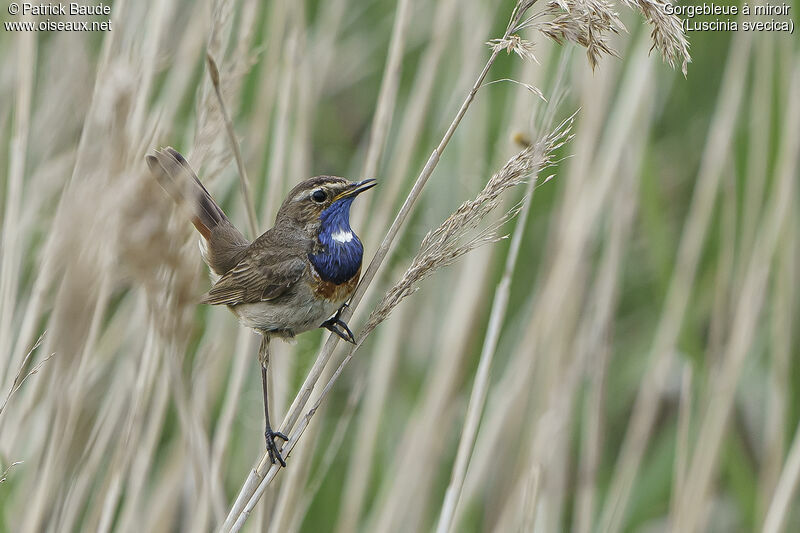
[(269, 435), (338, 326)]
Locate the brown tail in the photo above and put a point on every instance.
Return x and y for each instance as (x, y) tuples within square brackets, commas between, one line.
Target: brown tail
[(179, 181), (222, 243)]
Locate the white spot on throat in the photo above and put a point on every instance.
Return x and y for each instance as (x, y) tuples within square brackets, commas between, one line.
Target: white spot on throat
[(342, 236)]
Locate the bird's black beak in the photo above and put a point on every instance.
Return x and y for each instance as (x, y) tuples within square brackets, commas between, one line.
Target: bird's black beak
[(357, 188)]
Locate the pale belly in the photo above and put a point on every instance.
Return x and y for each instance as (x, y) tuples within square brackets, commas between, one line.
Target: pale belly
[(291, 314)]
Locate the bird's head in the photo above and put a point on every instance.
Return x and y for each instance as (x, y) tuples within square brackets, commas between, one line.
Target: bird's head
[(321, 201)]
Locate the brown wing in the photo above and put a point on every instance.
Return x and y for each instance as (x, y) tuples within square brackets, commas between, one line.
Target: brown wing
[(258, 277)]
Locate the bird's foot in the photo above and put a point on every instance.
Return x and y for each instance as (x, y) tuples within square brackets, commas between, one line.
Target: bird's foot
[(338, 326), (272, 448)]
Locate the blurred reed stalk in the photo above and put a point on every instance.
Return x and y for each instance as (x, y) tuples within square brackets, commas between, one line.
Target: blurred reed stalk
[(661, 355), (480, 386), (748, 309)]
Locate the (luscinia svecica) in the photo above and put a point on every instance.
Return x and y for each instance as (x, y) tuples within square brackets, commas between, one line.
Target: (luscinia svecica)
[(295, 277)]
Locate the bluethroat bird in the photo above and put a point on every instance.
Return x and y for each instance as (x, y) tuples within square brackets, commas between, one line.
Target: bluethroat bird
[(295, 277)]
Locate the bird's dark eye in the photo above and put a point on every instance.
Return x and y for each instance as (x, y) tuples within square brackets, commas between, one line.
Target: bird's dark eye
[(318, 196)]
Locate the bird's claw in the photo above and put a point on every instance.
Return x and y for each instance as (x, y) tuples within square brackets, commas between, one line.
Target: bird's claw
[(272, 448), (338, 326)]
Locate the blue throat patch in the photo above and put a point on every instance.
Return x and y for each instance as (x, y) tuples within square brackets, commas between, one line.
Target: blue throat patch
[(340, 259)]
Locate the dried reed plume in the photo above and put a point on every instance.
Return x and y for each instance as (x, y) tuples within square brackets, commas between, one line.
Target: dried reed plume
[(667, 32), (4, 475), (515, 44), (590, 23), (454, 238), (584, 22), (23, 376)]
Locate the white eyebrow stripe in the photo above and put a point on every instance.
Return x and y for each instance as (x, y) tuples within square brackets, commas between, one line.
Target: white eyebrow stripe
[(302, 196), (342, 236)]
